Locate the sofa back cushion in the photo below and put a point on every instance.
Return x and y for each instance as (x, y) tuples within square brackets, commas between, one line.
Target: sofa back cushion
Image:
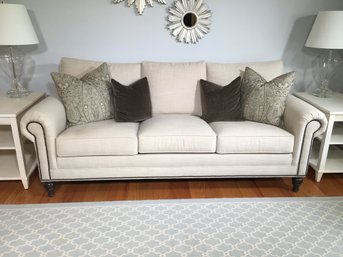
[(224, 73), (175, 87), (124, 73)]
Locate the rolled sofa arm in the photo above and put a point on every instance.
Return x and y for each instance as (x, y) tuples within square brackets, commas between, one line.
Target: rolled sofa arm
[(41, 125), (305, 122)]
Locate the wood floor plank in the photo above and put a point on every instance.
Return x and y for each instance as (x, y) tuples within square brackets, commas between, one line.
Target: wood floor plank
[(248, 188), (214, 188), (274, 187), (12, 192)]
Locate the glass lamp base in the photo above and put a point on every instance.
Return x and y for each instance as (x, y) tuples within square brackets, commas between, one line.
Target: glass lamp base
[(323, 92), (326, 64), (17, 90)]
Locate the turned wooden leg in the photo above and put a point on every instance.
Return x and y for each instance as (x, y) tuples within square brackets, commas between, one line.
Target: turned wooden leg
[(297, 181), (50, 188)]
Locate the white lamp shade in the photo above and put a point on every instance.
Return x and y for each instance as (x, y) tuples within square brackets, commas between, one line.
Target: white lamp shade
[(327, 31), (15, 26)]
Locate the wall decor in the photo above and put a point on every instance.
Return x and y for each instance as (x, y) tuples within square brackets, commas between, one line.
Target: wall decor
[(140, 4), (189, 20)]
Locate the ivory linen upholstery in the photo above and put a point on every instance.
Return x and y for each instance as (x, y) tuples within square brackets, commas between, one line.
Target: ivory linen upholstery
[(251, 137), (224, 73), (196, 152), (176, 133), (99, 138), (175, 87)]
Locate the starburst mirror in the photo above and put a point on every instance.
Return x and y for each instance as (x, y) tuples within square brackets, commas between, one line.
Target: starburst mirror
[(140, 4), (189, 20)]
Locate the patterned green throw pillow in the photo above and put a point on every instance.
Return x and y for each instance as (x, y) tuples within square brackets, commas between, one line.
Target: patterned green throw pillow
[(264, 101), (86, 99)]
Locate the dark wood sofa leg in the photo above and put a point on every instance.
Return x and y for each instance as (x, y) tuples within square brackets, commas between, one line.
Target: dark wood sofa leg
[(50, 188), (296, 182)]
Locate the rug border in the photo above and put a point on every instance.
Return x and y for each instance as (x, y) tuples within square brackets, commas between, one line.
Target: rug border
[(172, 201)]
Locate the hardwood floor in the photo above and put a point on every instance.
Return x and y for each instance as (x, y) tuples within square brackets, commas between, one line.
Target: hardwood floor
[(13, 192)]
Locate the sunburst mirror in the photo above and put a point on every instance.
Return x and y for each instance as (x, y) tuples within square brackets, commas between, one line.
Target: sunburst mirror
[(189, 20), (140, 4)]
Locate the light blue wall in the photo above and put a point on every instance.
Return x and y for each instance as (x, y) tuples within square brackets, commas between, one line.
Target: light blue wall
[(241, 31)]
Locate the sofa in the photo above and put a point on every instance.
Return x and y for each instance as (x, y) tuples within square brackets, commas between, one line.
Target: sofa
[(175, 143)]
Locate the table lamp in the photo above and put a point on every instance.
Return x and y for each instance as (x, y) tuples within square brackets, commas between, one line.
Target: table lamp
[(326, 33), (15, 30)]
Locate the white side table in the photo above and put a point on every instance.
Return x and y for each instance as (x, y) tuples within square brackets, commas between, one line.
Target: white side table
[(17, 157), (327, 156)]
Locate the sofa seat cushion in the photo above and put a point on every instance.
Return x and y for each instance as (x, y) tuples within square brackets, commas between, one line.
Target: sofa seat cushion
[(251, 137), (176, 133), (98, 138)]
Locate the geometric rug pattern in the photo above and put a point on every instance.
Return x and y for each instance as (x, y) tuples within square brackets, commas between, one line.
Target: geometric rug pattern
[(311, 227)]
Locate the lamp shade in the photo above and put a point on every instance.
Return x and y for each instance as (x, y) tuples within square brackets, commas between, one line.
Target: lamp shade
[(327, 31), (15, 26)]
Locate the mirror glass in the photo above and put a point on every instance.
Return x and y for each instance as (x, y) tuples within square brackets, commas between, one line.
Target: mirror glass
[(189, 20)]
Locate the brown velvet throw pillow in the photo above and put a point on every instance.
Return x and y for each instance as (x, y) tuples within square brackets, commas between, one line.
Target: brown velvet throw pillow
[(132, 103), (221, 103)]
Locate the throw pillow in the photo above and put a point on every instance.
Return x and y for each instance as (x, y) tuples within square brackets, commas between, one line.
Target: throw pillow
[(264, 101), (221, 103), (85, 99), (132, 103)]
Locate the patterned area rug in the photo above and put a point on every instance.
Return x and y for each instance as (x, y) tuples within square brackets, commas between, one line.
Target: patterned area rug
[(215, 227)]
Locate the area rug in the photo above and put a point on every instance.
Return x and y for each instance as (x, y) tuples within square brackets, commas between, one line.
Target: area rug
[(211, 227)]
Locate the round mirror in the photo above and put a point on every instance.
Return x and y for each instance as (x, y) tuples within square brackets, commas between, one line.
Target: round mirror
[(189, 20)]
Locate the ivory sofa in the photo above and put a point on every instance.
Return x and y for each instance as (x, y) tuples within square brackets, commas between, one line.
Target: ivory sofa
[(175, 142)]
